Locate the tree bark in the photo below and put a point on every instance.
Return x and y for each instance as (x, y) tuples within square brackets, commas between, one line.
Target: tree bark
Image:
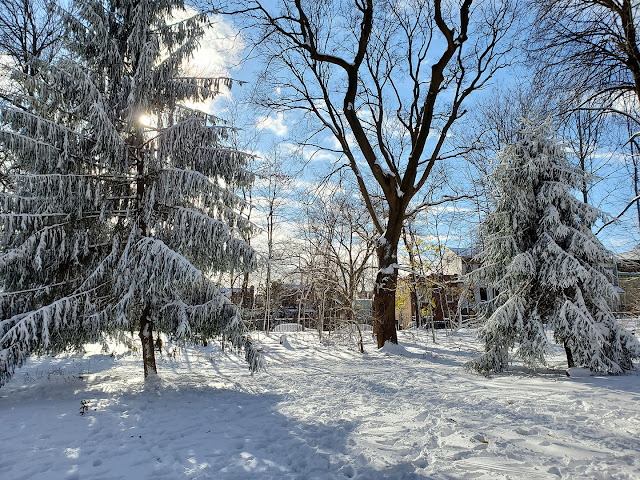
[(321, 316), (146, 335), (384, 297), (570, 361), (267, 307), (360, 342), (245, 300)]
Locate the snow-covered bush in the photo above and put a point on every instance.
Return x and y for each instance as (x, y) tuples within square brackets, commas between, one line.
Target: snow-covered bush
[(548, 267), (118, 211)]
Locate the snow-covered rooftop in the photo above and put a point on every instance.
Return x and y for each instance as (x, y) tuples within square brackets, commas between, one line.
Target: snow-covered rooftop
[(467, 252)]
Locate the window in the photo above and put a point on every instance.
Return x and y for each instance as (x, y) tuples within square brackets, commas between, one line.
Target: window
[(449, 293), (483, 294)]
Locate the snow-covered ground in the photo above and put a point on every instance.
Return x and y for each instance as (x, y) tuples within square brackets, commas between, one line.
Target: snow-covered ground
[(318, 412)]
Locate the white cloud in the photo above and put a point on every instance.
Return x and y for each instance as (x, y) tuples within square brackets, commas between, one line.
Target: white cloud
[(220, 46), (220, 50), (275, 124), (335, 144), (618, 242)]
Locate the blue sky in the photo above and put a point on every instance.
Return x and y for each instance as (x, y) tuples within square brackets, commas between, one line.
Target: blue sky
[(452, 224)]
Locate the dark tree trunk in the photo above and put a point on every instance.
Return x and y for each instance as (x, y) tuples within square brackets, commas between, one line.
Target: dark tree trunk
[(567, 350), (360, 341), (146, 325), (146, 335), (415, 306), (246, 301), (384, 298)]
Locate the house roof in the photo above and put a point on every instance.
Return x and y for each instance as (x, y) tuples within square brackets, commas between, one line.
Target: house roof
[(467, 252), (632, 255), (628, 261)]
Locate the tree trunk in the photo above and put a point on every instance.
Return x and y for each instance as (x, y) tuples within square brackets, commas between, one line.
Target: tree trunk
[(384, 298), (267, 310), (245, 301), (636, 173), (567, 350), (360, 342), (321, 316), (146, 335), (146, 326)]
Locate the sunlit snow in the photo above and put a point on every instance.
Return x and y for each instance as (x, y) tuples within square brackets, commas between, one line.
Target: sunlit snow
[(320, 411)]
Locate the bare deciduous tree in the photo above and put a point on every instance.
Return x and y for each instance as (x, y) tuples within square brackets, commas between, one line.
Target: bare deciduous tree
[(29, 29), (590, 47), (272, 186), (388, 81), (339, 229)]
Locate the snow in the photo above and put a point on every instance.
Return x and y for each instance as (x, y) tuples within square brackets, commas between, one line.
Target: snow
[(351, 328), (579, 372), (385, 172), (389, 269), (393, 348), (321, 410)]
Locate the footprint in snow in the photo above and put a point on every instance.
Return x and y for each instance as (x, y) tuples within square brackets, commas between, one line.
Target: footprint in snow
[(554, 471), (461, 455)]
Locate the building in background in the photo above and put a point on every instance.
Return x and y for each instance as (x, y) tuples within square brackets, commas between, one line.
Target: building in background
[(445, 300)]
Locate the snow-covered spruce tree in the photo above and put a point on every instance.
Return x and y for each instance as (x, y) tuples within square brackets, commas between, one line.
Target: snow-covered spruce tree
[(546, 264), (111, 225)]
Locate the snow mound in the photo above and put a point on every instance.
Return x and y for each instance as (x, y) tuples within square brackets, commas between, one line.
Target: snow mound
[(395, 349), (402, 350)]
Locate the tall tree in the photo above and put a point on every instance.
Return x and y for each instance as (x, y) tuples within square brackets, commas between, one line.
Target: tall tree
[(117, 220), (547, 265), (273, 188), (387, 80)]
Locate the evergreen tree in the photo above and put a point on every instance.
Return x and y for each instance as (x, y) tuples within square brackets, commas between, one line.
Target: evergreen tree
[(547, 265), (112, 224)]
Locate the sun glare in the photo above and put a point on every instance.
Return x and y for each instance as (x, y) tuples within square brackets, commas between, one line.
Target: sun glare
[(145, 120)]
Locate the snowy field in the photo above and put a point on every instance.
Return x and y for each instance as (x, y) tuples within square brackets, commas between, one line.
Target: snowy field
[(319, 412)]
